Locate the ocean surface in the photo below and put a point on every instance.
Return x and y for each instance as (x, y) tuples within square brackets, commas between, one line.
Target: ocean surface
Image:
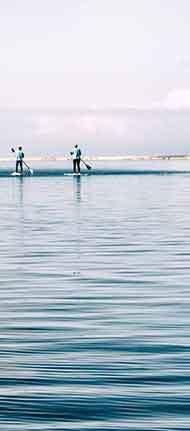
[(94, 298)]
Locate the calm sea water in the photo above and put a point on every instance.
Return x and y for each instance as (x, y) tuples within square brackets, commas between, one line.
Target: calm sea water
[(94, 301)]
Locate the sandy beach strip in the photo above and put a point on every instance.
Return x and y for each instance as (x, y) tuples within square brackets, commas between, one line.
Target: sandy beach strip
[(52, 158)]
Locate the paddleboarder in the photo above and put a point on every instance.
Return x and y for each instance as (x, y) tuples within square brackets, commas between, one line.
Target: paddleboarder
[(19, 162), (76, 153), (19, 159)]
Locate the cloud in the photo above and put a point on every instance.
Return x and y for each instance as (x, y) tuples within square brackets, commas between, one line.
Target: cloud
[(179, 99), (46, 125), (86, 124)]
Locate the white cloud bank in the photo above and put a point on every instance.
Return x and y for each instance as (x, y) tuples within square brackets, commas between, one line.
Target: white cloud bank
[(179, 99)]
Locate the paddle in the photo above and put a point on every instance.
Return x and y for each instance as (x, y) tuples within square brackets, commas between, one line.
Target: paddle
[(31, 170), (86, 164)]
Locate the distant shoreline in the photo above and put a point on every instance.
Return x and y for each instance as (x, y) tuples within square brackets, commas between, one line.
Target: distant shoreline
[(104, 158)]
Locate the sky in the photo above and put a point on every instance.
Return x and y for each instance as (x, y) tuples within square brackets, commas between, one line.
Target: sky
[(95, 53), (121, 68)]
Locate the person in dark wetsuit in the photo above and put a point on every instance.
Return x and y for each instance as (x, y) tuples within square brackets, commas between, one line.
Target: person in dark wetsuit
[(76, 153)]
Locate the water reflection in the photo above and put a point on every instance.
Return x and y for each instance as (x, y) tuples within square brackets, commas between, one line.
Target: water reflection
[(77, 223), (20, 189), (77, 188), (19, 202)]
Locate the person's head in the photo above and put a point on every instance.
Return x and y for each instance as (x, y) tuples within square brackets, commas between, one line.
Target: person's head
[(76, 145), (20, 148)]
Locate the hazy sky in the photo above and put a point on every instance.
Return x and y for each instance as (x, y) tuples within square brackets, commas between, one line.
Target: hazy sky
[(95, 53)]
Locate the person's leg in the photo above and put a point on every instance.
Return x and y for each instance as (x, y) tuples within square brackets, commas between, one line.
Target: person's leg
[(17, 163), (21, 167), (74, 166), (78, 165)]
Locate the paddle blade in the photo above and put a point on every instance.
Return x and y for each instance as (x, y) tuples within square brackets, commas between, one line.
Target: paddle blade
[(86, 164), (12, 149)]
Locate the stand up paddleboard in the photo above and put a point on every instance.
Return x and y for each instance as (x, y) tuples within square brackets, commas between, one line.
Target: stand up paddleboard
[(16, 174), (68, 174)]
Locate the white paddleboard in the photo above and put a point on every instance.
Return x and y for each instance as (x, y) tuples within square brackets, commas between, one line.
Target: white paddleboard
[(16, 174), (74, 175)]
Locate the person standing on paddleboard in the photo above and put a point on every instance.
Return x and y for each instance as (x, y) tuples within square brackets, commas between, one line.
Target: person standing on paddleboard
[(76, 153), (19, 158)]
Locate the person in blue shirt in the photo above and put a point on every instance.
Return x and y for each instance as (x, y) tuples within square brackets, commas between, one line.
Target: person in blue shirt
[(76, 153)]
